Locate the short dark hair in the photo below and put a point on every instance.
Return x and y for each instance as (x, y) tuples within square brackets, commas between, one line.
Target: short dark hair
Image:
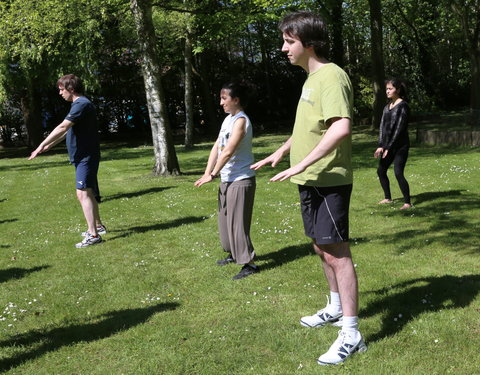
[(238, 90), (309, 28), (399, 85), (71, 83)]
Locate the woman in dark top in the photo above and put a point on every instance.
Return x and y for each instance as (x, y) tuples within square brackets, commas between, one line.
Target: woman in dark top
[(393, 142)]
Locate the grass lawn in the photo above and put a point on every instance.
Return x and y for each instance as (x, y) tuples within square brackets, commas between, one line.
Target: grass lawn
[(151, 300)]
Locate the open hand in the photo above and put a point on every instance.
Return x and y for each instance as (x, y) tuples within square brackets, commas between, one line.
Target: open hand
[(287, 173), (203, 180)]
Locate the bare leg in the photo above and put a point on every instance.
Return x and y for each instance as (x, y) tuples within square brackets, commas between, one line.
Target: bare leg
[(340, 274), (327, 270), (90, 209)]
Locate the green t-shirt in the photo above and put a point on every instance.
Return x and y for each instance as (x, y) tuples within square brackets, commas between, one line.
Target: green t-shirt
[(327, 93)]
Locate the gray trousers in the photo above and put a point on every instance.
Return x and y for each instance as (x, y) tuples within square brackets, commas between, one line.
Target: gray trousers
[(235, 207)]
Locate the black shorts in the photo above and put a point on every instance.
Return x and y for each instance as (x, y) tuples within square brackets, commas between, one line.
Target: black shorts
[(86, 176), (325, 212)]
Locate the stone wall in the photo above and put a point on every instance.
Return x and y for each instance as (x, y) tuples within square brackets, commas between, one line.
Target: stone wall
[(454, 137)]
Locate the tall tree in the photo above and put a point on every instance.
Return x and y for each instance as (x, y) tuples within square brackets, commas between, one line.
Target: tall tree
[(188, 57), (333, 11), (166, 162), (188, 81), (41, 40), (468, 12), (378, 66), (30, 32)]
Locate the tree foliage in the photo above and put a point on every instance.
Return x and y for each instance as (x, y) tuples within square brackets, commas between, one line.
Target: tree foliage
[(434, 45)]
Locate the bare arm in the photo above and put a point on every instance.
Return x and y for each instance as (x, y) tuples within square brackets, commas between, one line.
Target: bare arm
[(216, 162), (212, 159), (57, 135), (274, 158), (338, 130)]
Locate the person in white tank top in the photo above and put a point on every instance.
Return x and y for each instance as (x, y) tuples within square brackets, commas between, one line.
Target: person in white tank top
[(231, 157)]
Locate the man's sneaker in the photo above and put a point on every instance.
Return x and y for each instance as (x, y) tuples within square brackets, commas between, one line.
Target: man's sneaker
[(224, 262), (344, 346), (246, 270), (88, 241), (322, 318), (101, 229)]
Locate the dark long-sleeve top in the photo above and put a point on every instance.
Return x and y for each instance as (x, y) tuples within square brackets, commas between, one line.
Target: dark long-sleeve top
[(394, 126)]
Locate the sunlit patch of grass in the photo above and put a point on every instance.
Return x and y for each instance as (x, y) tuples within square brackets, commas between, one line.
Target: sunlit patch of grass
[(151, 299)]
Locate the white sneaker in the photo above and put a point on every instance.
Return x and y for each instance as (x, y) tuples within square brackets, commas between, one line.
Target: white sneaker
[(344, 346), (322, 318), (88, 241)]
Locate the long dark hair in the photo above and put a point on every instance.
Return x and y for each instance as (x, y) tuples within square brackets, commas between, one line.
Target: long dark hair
[(400, 86)]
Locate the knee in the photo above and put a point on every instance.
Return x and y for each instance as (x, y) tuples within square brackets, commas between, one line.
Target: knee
[(399, 173), (335, 254), (82, 194), (318, 250)]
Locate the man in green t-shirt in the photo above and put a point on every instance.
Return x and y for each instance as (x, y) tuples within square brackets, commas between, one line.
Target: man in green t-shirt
[(320, 159)]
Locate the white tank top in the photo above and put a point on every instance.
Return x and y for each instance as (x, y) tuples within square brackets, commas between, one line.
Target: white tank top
[(238, 167)]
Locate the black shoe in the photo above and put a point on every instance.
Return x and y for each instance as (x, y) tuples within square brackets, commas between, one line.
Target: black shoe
[(224, 262), (246, 270)]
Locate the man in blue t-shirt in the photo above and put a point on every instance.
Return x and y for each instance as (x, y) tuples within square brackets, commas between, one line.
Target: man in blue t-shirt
[(81, 131)]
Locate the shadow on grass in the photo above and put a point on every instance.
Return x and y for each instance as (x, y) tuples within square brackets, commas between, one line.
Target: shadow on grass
[(285, 255), (418, 296), (24, 152), (124, 152), (32, 166), (447, 222), (8, 221), (430, 196), (18, 273), (109, 324), (158, 226), (135, 193)]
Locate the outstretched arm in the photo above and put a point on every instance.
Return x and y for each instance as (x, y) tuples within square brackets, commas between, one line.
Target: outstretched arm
[(274, 158), (57, 135), (338, 130)]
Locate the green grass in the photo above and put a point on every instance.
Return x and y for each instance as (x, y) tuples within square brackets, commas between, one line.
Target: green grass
[(150, 300)]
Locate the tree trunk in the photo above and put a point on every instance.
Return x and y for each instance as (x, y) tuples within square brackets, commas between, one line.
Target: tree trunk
[(270, 97), (468, 14), (166, 162), (32, 117), (338, 50), (332, 11), (378, 65), (188, 99), (475, 89), (212, 122)]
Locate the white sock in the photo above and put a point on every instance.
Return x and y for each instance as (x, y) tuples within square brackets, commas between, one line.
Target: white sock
[(350, 325), (335, 305)]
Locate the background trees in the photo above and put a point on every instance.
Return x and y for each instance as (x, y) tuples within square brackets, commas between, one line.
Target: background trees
[(201, 44)]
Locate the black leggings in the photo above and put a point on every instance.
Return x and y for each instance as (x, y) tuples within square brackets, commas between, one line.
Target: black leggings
[(399, 159)]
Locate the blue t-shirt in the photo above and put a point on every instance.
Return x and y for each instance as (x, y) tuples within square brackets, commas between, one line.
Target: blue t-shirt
[(82, 137)]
